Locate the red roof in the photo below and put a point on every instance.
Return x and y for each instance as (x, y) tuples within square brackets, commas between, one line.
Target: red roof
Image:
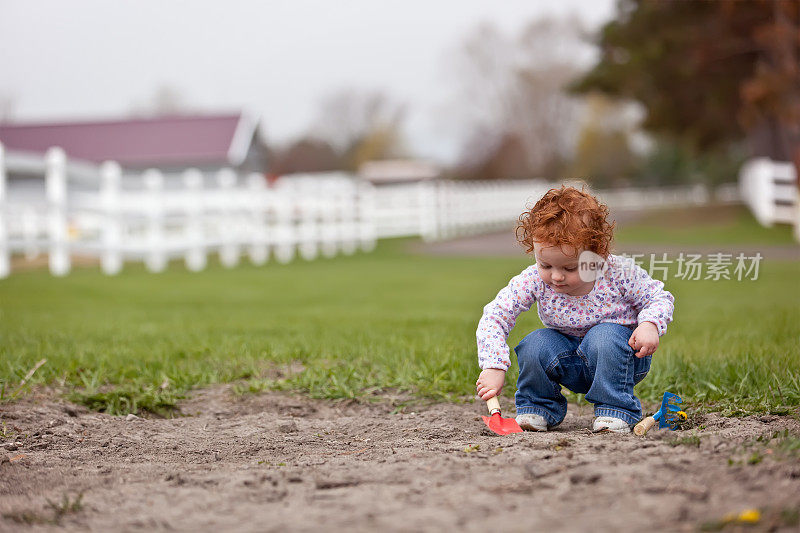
[(163, 141)]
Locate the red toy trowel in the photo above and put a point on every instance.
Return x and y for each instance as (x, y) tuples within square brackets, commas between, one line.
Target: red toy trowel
[(498, 424)]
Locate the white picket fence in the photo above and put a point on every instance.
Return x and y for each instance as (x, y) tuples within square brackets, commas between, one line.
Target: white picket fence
[(84, 210), (769, 188), (446, 209), (71, 208)]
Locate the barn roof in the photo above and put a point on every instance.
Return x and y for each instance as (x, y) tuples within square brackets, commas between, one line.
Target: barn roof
[(162, 141)]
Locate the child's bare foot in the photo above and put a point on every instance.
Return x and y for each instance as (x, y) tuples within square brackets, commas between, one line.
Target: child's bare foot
[(532, 422), (609, 423)]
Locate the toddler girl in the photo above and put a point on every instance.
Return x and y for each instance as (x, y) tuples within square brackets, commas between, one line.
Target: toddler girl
[(603, 317)]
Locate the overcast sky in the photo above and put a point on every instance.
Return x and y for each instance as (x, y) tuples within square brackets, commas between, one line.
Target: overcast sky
[(82, 59)]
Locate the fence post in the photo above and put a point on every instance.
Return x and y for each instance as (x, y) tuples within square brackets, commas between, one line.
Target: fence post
[(446, 208), (329, 232), (367, 223), (5, 255), (195, 256), (461, 192), (229, 251), (765, 195), (111, 238), (282, 211), (308, 201), (755, 182), (56, 192), (425, 213), (257, 250), (155, 255), (349, 217)]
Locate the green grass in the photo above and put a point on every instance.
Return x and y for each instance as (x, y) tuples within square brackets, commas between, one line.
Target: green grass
[(360, 326), (66, 506), (784, 443), (692, 441), (778, 446), (713, 225)]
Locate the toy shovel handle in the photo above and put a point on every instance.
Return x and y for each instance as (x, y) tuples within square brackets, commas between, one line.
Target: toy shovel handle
[(642, 427), (493, 404)]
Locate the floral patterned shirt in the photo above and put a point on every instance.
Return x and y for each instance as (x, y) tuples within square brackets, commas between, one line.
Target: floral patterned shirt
[(623, 293)]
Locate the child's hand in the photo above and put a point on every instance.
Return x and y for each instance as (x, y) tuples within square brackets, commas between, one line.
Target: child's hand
[(644, 339), (490, 383)]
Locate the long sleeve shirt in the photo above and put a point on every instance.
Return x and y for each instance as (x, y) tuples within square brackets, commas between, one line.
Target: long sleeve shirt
[(623, 293)]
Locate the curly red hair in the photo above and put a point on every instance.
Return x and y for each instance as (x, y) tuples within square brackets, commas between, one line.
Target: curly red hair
[(567, 217)]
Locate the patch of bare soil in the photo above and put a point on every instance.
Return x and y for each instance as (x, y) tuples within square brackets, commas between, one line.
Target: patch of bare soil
[(276, 462)]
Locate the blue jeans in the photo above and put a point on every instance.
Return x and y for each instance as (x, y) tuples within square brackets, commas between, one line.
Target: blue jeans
[(600, 365)]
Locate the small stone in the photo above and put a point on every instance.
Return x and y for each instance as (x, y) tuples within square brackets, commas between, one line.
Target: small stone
[(4, 459), (287, 427), (11, 446), (131, 417)]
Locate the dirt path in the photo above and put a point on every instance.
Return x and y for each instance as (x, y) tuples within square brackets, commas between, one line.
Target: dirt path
[(275, 463)]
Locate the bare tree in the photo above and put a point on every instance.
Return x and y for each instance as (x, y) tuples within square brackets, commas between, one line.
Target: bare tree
[(305, 155), (361, 125), (603, 153), (514, 87)]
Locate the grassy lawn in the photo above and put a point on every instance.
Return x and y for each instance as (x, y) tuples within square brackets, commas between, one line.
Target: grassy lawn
[(713, 225), (360, 325)]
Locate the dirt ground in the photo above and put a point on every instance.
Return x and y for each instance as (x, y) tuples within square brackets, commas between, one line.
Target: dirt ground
[(276, 462)]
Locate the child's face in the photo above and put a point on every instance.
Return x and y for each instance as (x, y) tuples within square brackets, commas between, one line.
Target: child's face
[(560, 270)]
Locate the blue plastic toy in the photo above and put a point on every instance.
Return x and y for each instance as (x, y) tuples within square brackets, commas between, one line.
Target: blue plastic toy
[(669, 416)]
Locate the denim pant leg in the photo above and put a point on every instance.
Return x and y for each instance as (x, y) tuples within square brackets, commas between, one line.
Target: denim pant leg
[(615, 371), (540, 373)]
